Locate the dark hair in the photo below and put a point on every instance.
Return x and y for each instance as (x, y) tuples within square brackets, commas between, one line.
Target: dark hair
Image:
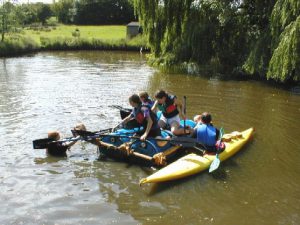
[(144, 95), (160, 94), (206, 118), (135, 99)]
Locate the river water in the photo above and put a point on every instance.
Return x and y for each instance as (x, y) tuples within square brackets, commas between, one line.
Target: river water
[(54, 91)]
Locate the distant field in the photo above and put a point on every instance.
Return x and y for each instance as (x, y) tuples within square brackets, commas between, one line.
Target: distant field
[(98, 32), (65, 37)]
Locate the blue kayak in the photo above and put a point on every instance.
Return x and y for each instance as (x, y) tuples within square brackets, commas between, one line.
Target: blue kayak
[(149, 148)]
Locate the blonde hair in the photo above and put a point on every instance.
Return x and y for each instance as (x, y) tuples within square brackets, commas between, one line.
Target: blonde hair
[(54, 134), (80, 126), (197, 118)]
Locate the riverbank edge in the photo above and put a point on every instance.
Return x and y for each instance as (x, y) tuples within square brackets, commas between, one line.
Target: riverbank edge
[(213, 71), (25, 46)]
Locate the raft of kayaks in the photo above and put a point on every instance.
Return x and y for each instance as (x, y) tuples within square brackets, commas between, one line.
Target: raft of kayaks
[(192, 164), (121, 145), (177, 161)]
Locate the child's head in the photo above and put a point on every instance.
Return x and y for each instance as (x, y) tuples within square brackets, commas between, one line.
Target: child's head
[(80, 126), (203, 118), (134, 100), (54, 135), (161, 96), (197, 118), (206, 118), (143, 96)]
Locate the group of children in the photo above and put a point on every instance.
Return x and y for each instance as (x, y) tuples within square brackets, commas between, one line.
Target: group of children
[(144, 113)]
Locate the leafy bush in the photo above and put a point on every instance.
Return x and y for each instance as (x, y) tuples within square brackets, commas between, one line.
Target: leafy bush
[(15, 45)]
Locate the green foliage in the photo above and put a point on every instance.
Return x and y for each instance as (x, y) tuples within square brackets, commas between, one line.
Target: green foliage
[(91, 12), (6, 18), (64, 10), (285, 30), (284, 12), (52, 21), (193, 31), (17, 44), (258, 58), (285, 61), (229, 35), (43, 12)]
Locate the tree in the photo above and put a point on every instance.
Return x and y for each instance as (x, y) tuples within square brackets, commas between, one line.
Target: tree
[(65, 11), (43, 12), (103, 12), (5, 17), (258, 37), (30, 13), (284, 64)]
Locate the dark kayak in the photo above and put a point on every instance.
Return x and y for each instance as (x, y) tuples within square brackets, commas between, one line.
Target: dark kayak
[(113, 146)]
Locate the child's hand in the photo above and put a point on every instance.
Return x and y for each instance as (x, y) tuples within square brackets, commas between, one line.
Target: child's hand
[(143, 137)]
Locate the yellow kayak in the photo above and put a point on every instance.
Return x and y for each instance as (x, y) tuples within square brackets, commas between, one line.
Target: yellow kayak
[(192, 164)]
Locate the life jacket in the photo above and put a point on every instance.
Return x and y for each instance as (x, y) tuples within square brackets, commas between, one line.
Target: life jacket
[(57, 149), (149, 102), (207, 135), (138, 114), (169, 109)]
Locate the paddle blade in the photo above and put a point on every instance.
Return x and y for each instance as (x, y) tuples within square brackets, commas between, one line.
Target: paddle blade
[(214, 165), (41, 143)]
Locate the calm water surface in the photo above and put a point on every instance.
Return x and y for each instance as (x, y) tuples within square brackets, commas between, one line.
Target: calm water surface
[(47, 91)]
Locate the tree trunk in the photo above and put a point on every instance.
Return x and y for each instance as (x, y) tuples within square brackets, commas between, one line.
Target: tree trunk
[(3, 28)]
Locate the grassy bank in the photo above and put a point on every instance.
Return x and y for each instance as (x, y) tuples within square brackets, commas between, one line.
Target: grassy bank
[(70, 37), (17, 45)]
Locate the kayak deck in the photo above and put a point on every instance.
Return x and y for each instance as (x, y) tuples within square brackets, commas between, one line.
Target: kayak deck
[(192, 164)]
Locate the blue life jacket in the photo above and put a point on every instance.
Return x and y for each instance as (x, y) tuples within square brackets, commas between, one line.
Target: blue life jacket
[(206, 134)]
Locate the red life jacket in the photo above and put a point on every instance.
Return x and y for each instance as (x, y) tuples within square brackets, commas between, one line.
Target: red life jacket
[(169, 109), (141, 119)]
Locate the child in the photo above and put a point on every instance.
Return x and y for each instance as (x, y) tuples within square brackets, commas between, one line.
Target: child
[(145, 99), (205, 132), (59, 148)]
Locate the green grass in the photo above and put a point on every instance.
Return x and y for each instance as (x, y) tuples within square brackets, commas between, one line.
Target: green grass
[(86, 32), (70, 37)]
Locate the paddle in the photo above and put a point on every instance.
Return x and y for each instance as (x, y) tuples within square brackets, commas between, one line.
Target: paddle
[(184, 113), (216, 163), (182, 141), (124, 112), (44, 142), (121, 108)]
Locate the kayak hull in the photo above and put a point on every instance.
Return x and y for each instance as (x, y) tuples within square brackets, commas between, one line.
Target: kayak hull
[(192, 163)]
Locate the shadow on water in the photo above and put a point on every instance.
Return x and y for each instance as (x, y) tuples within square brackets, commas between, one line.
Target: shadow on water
[(49, 159), (158, 188), (219, 174)]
